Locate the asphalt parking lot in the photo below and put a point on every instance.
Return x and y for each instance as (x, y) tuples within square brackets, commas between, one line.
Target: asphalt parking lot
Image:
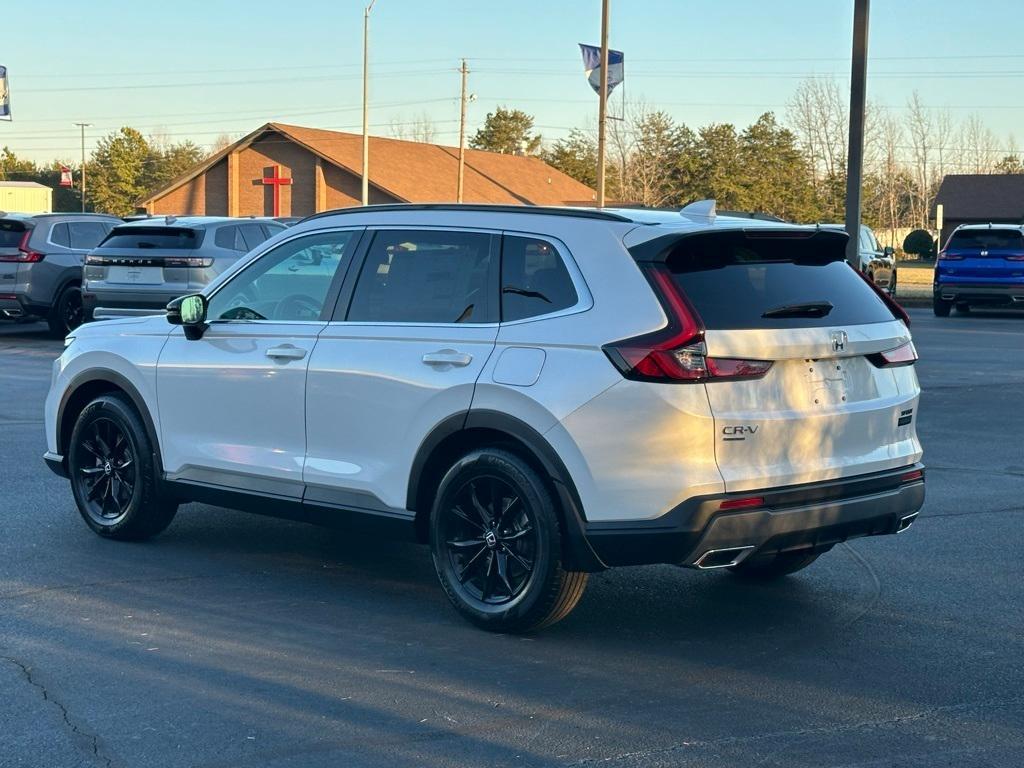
[(235, 640)]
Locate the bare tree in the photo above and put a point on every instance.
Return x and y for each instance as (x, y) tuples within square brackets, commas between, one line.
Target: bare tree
[(421, 128), (981, 150)]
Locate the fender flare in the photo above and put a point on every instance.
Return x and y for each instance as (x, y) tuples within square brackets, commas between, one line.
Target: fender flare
[(579, 555), (108, 376)]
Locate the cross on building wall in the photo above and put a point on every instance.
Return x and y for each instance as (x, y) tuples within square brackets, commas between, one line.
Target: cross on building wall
[(275, 181)]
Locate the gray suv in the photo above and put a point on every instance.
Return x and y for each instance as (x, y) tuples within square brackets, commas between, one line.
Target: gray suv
[(41, 259), (144, 264)]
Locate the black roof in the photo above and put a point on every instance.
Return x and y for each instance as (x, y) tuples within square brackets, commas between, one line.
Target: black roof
[(982, 197)]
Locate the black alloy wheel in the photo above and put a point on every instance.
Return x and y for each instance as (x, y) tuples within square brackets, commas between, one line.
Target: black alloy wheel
[(496, 543), (105, 471), (491, 541), (114, 473)]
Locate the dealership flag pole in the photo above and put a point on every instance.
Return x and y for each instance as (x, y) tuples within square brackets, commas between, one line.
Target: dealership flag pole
[(366, 94), (83, 126), (602, 110), (855, 158)]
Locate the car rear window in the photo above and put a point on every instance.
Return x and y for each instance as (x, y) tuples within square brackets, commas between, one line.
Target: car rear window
[(163, 238), (987, 239), (11, 233), (733, 279)]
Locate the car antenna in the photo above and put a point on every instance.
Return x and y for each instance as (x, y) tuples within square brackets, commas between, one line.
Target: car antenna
[(170, 219)]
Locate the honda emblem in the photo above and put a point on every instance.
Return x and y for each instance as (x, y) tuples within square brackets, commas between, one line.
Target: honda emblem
[(838, 341)]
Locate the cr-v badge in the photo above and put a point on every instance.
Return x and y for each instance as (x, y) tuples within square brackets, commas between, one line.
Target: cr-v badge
[(738, 432)]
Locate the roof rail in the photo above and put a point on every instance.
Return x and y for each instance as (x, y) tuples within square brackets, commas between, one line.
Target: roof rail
[(545, 210)]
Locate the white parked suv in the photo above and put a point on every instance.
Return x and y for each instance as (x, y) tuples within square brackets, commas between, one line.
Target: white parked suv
[(538, 393)]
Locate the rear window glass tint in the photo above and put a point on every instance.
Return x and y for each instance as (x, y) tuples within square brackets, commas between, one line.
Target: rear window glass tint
[(252, 234), (534, 281), (59, 235), (86, 234), (145, 238), (11, 233), (994, 239), (732, 281), (228, 237)]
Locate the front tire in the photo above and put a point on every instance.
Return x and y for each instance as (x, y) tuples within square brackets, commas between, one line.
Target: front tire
[(113, 472), (496, 545), (772, 567), (67, 312), (892, 285)]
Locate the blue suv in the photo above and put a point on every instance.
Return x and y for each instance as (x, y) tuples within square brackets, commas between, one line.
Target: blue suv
[(981, 265)]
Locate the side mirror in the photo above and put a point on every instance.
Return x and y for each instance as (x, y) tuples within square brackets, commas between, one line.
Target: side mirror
[(190, 313), (888, 250)]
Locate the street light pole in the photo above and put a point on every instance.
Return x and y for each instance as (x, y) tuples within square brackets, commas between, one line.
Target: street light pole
[(855, 157), (366, 96), (462, 134), (602, 110), (83, 126)]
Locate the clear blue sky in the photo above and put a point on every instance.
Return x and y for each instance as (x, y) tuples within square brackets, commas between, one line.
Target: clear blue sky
[(195, 69)]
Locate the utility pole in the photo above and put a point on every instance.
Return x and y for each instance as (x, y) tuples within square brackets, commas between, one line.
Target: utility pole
[(462, 134), (83, 126), (366, 98), (602, 110), (855, 158)]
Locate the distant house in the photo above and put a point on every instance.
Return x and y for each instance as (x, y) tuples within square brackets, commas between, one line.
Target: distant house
[(287, 170), (25, 197), (980, 198)]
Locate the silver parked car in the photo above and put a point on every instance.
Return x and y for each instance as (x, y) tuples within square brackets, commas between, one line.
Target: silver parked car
[(41, 259), (143, 264)]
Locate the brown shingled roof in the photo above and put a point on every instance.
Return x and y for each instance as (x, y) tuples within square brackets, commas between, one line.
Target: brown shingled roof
[(981, 197), (424, 173)]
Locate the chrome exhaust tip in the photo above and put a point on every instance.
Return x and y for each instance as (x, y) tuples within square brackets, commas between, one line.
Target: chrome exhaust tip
[(722, 558), (906, 522), (14, 313)]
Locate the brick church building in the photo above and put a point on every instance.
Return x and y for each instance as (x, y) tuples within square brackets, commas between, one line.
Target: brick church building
[(287, 170)]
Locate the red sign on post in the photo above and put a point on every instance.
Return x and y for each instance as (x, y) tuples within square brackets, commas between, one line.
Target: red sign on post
[(65, 176)]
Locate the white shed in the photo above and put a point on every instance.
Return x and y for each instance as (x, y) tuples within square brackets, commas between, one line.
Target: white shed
[(25, 197)]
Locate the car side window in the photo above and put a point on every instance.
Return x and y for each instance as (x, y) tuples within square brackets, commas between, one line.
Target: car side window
[(226, 237), (60, 235), (534, 279), (252, 235), (427, 276), (86, 235), (290, 282)]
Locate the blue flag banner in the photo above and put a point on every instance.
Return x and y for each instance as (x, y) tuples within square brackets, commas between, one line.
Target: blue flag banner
[(5, 96), (592, 66)]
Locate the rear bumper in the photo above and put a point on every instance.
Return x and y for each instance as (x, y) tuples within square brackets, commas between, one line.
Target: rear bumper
[(815, 516), (986, 293), (14, 305), (100, 306)]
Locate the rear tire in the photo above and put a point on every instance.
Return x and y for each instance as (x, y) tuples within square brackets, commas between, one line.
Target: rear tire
[(67, 312), (941, 307), (113, 472), (496, 545), (963, 308), (771, 567)]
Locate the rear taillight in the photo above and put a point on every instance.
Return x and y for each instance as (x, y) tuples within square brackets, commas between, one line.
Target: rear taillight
[(913, 476), (943, 256), (189, 261), (677, 352), (1015, 258), (898, 312), (893, 358), (749, 502), (24, 254)]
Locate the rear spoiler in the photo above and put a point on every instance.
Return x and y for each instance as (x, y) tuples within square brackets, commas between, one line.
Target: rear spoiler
[(659, 249)]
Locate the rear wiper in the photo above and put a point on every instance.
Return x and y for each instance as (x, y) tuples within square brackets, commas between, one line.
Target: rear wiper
[(807, 309)]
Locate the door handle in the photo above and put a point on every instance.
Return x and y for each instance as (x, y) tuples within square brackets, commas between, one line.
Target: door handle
[(447, 357), (286, 352)]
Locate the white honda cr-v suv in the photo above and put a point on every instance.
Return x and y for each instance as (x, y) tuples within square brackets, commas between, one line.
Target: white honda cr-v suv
[(539, 393)]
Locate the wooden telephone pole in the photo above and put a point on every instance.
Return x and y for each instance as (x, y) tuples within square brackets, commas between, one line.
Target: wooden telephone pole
[(462, 133), (602, 110)]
